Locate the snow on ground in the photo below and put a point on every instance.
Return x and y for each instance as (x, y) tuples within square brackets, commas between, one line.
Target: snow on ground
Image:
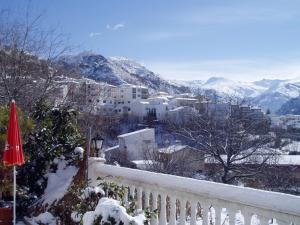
[(45, 218), (293, 146), (108, 207), (58, 182)]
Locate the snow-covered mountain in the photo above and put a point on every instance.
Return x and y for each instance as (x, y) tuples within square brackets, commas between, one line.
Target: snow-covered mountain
[(117, 70), (266, 93), (225, 86)]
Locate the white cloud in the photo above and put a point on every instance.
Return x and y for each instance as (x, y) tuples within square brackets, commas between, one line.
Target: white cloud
[(162, 35), (93, 34), (115, 26), (235, 69)]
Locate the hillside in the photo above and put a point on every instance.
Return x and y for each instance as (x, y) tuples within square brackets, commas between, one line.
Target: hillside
[(290, 107), (117, 70), (265, 93)]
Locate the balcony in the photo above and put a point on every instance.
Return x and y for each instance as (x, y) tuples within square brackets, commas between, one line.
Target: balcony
[(184, 201)]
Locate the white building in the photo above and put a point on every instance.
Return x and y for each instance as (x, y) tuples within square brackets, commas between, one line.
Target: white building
[(286, 121), (133, 146), (181, 114), (120, 98)]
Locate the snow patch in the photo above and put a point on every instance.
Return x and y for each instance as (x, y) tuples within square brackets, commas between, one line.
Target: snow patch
[(45, 218), (87, 192), (58, 182), (108, 207), (79, 151), (76, 217)]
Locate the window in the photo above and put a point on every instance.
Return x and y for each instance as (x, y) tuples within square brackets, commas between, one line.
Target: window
[(129, 109), (122, 96), (104, 101), (139, 96), (119, 110), (98, 100), (128, 102), (134, 96), (90, 100)]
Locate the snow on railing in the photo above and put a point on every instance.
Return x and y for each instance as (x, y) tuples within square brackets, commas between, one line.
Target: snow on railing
[(183, 200)]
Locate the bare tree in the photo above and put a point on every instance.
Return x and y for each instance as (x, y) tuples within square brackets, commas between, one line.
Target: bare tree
[(27, 58), (232, 143)]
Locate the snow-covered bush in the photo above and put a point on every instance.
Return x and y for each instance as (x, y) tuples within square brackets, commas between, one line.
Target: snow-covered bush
[(55, 135), (45, 218), (99, 204), (109, 211)]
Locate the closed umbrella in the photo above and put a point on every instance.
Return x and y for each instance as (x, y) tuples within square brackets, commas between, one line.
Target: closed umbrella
[(13, 152)]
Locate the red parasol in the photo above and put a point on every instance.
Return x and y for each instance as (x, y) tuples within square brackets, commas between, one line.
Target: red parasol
[(13, 152)]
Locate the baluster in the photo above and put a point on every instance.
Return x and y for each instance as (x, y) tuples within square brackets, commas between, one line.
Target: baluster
[(217, 215), (139, 197), (154, 220), (231, 215), (132, 192), (172, 210), (204, 212), (163, 211), (194, 209), (147, 198), (263, 220), (247, 217), (126, 197), (182, 211)]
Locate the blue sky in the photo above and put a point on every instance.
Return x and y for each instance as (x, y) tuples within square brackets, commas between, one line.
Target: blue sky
[(193, 39)]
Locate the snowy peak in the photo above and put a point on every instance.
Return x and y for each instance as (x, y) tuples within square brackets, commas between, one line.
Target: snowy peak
[(116, 71), (233, 88), (268, 83), (216, 80), (132, 66), (266, 93)]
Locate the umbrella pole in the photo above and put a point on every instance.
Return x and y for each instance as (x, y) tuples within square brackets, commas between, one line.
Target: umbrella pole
[(15, 185)]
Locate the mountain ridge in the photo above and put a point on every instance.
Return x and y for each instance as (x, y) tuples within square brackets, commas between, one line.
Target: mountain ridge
[(265, 93)]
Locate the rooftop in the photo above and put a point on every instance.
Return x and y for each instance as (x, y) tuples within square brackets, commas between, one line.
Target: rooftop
[(135, 132)]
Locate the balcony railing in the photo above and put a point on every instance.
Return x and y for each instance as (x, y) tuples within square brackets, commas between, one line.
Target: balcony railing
[(183, 200)]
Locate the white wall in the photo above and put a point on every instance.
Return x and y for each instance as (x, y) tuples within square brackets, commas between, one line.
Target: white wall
[(136, 143)]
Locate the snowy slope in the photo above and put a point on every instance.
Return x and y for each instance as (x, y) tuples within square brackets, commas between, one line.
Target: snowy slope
[(266, 93), (116, 71), (234, 88)]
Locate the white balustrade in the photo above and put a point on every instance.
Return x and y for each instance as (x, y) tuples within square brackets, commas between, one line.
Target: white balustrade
[(147, 186)]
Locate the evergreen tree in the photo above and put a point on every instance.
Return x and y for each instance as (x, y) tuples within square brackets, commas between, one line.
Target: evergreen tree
[(56, 135)]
